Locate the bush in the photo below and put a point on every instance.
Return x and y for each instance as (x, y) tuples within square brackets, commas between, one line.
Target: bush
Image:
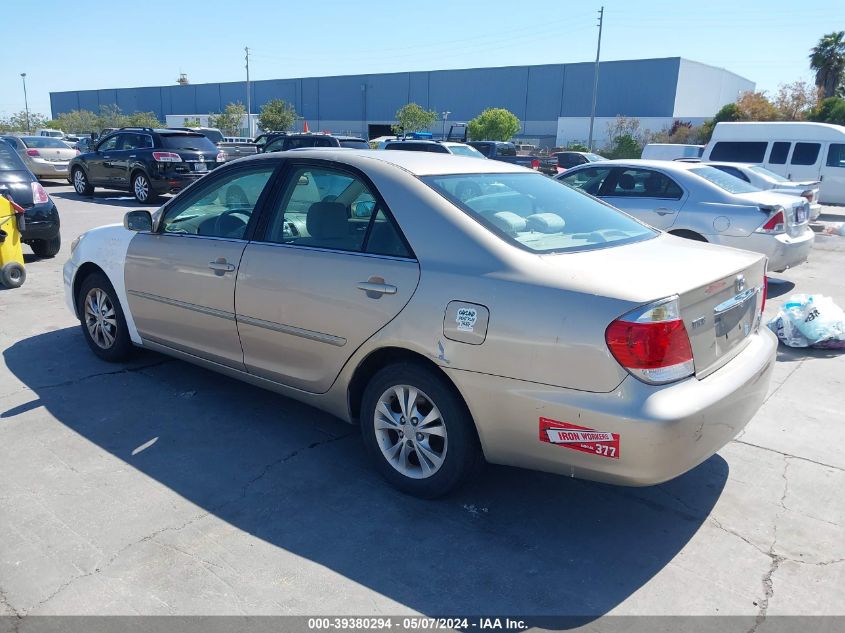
[(494, 124), (830, 110)]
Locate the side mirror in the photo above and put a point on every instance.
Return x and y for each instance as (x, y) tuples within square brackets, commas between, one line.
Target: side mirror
[(141, 221)]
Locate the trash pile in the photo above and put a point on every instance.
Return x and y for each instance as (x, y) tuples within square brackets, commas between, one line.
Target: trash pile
[(810, 321)]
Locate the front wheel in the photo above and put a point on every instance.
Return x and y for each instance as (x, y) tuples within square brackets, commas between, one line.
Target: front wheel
[(418, 431), (80, 183), (142, 189), (103, 323)]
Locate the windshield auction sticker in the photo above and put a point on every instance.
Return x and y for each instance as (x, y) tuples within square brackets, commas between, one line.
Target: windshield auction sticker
[(579, 438)]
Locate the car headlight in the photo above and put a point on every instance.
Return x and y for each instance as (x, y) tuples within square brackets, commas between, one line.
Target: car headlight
[(75, 243)]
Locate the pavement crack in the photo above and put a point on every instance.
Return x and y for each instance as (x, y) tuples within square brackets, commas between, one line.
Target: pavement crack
[(76, 381), (789, 455), (768, 592)]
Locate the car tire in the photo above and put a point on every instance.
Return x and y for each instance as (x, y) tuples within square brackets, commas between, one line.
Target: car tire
[(425, 455), (12, 275), (80, 183), (688, 235), (102, 320), (142, 189), (47, 248)]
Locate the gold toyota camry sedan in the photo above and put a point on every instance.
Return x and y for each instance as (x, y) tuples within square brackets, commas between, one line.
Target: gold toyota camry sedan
[(457, 309)]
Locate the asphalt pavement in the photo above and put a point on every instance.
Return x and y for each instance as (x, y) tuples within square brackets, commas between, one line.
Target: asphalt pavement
[(156, 487)]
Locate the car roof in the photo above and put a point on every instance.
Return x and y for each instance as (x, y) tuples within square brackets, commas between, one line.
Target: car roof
[(416, 163), (639, 162)]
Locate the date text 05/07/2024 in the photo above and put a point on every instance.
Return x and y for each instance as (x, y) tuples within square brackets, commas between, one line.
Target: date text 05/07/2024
[(416, 623)]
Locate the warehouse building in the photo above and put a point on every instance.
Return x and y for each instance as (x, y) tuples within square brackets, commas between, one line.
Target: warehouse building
[(552, 101)]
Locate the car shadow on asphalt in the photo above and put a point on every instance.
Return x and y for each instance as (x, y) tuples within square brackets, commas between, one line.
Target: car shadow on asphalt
[(793, 354), (512, 541), (108, 198)]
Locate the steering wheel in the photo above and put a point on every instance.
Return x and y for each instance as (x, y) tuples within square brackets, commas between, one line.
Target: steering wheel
[(231, 223)]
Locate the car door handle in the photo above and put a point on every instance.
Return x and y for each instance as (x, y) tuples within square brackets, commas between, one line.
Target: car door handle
[(376, 288), (221, 267), (663, 211)]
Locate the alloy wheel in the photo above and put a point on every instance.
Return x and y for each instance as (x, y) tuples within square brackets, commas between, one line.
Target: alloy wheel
[(142, 188), (79, 182), (410, 432), (100, 318)]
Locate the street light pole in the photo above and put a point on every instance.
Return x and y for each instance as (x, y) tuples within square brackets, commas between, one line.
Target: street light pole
[(596, 79), (26, 103), (445, 114), (248, 100)]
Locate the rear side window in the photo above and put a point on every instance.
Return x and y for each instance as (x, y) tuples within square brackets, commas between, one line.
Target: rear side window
[(836, 155), (642, 183), (805, 154), (9, 159), (505, 150), (733, 171), (739, 151), (194, 142), (780, 151)]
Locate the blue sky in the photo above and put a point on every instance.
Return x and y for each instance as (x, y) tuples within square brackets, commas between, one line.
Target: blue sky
[(88, 44)]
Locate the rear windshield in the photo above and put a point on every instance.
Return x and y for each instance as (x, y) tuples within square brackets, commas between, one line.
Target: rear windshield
[(9, 159), (768, 173), (196, 142), (594, 158), (537, 213), (355, 144), (43, 141), (213, 135), (729, 183), (505, 150), (465, 150)]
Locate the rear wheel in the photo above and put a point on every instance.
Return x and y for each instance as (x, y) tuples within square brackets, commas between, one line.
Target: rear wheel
[(47, 248), (103, 323), (418, 431), (688, 235), (80, 183), (12, 275), (142, 189)]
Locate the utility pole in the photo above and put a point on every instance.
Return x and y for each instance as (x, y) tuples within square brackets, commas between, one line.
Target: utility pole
[(596, 80), (25, 103), (248, 101), (446, 114)]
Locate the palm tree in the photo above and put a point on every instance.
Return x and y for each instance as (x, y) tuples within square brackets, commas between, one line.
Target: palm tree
[(827, 58)]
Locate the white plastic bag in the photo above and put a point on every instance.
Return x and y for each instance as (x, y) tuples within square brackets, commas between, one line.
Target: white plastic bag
[(810, 321)]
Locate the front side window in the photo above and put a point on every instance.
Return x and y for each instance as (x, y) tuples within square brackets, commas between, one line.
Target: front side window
[(223, 208), (836, 155), (805, 154), (109, 144), (333, 209), (641, 183), (587, 180), (739, 151), (780, 150), (538, 214)]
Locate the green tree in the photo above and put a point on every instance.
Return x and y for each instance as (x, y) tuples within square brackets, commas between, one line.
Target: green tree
[(827, 59), (276, 115), (17, 122), (195, 122), (493, 124), (728, 112), (625, 138), (830, 110), (575, 146), (230, 121), (77, 121), (413, 118), (111, 116), (796, 100), (143, 119)]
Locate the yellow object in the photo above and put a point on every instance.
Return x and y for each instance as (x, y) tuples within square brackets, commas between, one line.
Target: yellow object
[(12, 271)]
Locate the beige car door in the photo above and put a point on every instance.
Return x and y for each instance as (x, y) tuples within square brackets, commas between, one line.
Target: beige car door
[(330, 269), (180, 280)]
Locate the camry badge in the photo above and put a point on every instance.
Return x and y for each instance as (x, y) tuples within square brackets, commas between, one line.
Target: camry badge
[(739, 283)]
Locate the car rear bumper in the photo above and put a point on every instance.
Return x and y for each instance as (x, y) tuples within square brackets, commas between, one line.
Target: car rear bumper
[(47, 169), (782, 250), (660, 432), (42, 223)]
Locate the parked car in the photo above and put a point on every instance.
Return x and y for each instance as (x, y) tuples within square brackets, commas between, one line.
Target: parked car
[(671, 151), (50, 132), (762, 178), (534, 326), (307, 139), (42, 231), (85, 144), (262, 139), (568, 159), (699, 202), (437, 147), (44, 156), (231, 149), (506, 152), (798, 150), (144, 161)]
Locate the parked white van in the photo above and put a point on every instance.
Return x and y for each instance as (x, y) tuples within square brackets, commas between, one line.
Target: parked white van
[(797, 150), (671, 151)]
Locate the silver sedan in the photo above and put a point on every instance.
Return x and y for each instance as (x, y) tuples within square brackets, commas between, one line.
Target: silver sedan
[(529, 324), (699, 202)]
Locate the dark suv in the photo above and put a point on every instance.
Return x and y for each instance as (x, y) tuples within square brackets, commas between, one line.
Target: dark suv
[(145, 162), (295, 141)]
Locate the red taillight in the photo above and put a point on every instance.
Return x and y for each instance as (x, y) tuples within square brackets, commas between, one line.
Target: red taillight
[(78, 152), (167, 157), (774, 224), (32, 152), (535, 164), (652, 343), (39, 196)]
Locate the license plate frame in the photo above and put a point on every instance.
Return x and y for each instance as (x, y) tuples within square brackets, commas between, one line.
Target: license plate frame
[(801, 214), (200, 168)]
